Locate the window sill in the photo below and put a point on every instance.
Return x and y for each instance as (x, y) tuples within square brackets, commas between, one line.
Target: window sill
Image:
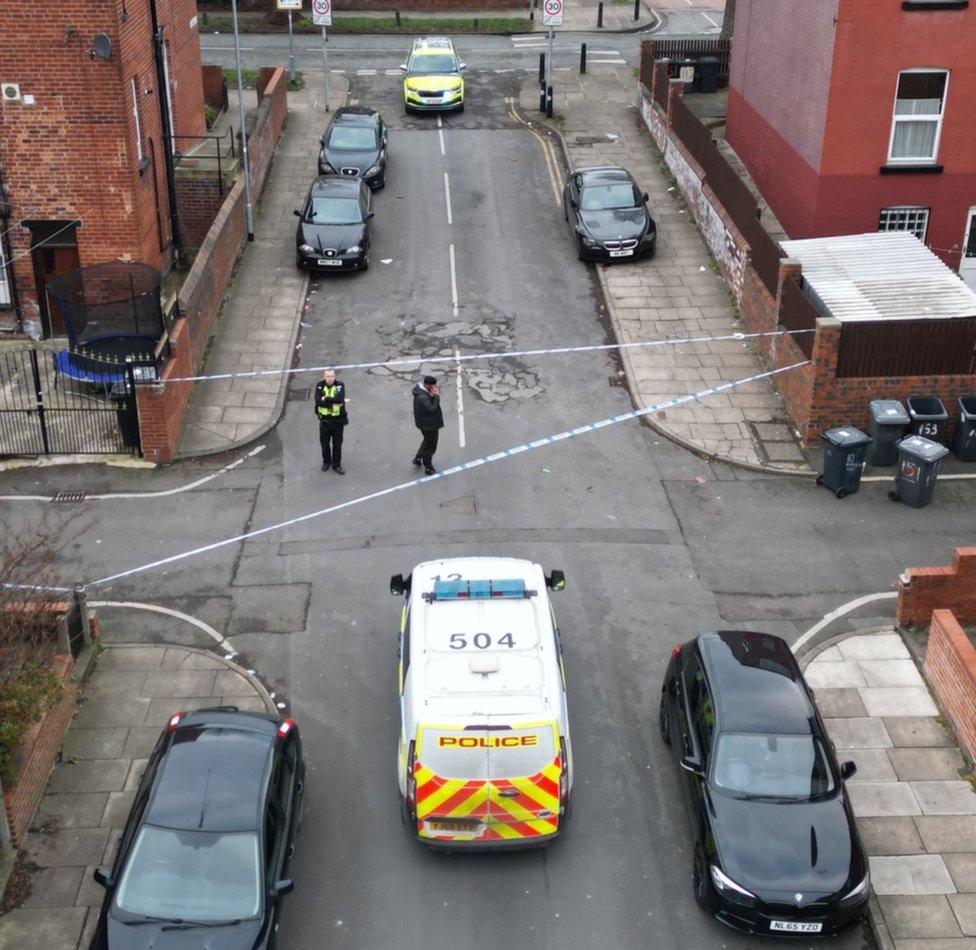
[(934, 4), (911, 170), (144, 164)]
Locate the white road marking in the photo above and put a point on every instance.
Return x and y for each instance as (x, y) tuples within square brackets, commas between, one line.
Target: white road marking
[(440, 138), (148, 494), (597, 62), (169, 612), (710, 20), (460, 399), (338, 72), (454, 285), (392, 72), (365, 72), (447, 198), (839, 612)]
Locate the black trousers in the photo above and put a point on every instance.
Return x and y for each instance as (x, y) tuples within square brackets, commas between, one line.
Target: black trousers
[(428, 447), (330, 435)]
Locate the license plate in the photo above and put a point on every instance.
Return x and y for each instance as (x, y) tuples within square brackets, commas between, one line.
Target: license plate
[(795, 926), (627, 253), (325, 262), (452, 828)]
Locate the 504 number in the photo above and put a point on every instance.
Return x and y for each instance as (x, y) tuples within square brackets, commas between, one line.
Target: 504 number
[(481, 641)]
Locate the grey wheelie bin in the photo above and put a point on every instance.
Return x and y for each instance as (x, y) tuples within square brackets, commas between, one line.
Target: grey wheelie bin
[(919, 460), (843, 460), (887, 427), (964, 444), (929, 417)]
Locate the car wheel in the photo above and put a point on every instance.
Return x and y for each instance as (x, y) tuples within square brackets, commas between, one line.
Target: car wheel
[(565, 210), (461, 107), (298, 261), (699, 880), (664, 718), (365, 263), (404, 812)]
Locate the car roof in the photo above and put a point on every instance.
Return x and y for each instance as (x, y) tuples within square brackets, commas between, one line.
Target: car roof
[(336, 185), (213, 774), (432, 44), (355, 115), (603, 174), (757, 682)]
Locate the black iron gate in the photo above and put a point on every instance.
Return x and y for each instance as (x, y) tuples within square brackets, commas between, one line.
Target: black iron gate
[(66, 402)]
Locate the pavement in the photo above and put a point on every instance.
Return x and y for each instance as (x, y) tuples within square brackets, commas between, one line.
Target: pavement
[(677, 293), (129, 697), (915, 812), (259, 321)]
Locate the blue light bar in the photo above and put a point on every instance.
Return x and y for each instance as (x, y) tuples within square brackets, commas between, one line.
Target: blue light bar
[(479, 589)]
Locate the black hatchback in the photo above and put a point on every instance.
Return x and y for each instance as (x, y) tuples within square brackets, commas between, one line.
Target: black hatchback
[(776, 851), (333, 230), (608, 215), (354, 145), (203, 860)]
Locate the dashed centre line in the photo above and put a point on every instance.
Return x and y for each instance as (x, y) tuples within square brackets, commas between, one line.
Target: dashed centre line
[(454, 283), (447, 198)]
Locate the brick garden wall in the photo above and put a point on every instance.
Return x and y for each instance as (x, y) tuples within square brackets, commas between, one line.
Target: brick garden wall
[(162, 407), (922, 590), (199, 199), (950, 665)]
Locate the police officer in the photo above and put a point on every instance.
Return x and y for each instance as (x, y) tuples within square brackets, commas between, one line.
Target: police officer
[(330, 407), (427, 417)]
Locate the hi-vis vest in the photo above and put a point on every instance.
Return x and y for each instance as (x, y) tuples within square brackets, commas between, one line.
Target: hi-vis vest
[(335, 409)]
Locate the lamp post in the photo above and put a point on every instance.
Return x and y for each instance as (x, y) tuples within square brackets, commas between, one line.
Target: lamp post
[(240, 102)]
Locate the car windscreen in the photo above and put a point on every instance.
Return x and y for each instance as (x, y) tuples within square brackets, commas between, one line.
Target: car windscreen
[(334, 211), (352, 137), (487, 754), (758, 765), (192, 875), (608, 197), (432, 64)]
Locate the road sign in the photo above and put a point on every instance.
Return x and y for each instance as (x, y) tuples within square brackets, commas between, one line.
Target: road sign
[(288, 5), (322, 12), (552, 13)]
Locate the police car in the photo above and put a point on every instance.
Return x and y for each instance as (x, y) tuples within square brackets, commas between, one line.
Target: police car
[(485, 757), (432, 80)]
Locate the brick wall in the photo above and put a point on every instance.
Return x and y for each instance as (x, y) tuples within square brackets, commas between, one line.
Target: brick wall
[(921, 590), (162, 407), (199, 199), (950, 665), (213, 86)]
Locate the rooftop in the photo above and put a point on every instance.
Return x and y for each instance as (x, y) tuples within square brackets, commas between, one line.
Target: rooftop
[(887, 275)]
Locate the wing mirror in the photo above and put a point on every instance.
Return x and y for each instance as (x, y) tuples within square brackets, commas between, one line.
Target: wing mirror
[(403, 66), (644, 197), (282, 887), (556, 580), (690, 764), (103, 876), (847, 770), (398, 585), (462, 66), (322, 140), (369, 214), (297, 213)]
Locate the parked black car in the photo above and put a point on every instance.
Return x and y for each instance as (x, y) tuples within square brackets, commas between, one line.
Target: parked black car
[(608, 214), (203, 860), (333, 230), (776, 851), (354, 145)]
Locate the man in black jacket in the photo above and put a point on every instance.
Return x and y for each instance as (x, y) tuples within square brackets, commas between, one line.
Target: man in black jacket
[(330, 407), (427, 417)]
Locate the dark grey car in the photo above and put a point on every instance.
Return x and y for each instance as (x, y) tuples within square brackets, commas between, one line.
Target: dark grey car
[(355, 145), (333, 230)]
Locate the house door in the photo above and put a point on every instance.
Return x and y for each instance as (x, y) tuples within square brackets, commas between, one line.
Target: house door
[(967, 266), (55, 251)]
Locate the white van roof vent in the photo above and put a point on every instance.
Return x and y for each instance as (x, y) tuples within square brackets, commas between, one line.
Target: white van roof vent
[(483, 663)]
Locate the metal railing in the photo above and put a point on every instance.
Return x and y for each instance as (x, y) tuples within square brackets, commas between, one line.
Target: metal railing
[(178, 156)]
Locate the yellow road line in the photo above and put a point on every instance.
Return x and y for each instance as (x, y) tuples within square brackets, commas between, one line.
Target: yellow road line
[(548, 153)]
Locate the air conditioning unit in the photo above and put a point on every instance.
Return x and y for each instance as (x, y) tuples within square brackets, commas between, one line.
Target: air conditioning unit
[(10, 92)]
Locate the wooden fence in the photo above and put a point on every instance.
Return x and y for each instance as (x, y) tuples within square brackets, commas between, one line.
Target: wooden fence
[(796, 312), (908, 348), (691, 48)]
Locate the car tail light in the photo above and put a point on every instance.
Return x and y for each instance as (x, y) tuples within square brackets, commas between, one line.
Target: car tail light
[(411, 778), (676, 650), (174, 721), (285, 728), (563, 774)]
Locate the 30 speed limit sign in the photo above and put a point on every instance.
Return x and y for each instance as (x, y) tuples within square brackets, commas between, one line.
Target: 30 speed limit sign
[(322, 12), (552, 13)]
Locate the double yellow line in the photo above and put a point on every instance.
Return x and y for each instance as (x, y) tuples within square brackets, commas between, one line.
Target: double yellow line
[(548, 152)]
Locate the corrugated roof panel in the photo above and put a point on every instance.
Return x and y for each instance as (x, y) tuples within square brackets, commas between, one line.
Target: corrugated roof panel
[(888, 275)]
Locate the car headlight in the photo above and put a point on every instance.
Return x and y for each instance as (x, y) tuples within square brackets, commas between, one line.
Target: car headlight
[(858, 893), (729, 889), (355, 249), (306, 248), (372, 170), (587, 240)]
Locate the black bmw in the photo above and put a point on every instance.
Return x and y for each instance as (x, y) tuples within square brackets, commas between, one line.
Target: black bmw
[(608, 215), (776, 851), (333, 229), (354, 145), (203, 860)]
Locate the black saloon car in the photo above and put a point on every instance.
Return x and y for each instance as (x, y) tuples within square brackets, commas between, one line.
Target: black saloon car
[(775, 847), (608, 215), (333, 230), (203, 860), (354, 145)]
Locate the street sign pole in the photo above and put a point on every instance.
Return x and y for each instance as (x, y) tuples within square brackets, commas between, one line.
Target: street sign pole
[(291, 50), (248, 208), (325, 66), (322, 16)]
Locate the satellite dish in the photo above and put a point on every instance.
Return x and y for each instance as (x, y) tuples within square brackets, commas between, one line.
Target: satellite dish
[(101, 46)]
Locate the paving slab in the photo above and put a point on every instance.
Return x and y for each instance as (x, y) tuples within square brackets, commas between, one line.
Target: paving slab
[(840, 703), (879, 646), (72, 810), (898, 700), (131, 658), (177, 683), (117, 809), (945, 834), (890, 673), (68, 847), (919, 916), (880, 799), (115, 711), (882, 836), (962, 867), (90, 893), (140, 741), (117, 682), (945, 798), (825, 674), (938, 943), (916, 731), (964, 907), (926, 764), (872, 765), (176, 659), (106, 743), (89, 775), (54, 887), (910, 874), (859, 733), (40, 929), (231, 683)]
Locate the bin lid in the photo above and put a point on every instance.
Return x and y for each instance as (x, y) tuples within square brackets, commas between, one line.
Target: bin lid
[(927, 408), (888, 411), (848, 437), (917, 446)]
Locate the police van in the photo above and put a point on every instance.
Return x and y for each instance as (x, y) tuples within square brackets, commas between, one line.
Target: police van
[(485, 757)]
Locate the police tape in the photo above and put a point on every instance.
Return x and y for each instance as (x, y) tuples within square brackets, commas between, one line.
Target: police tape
[(469, 357), (446, 473)]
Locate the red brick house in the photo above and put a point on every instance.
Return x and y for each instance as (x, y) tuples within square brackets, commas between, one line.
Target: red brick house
[(860, 115), (92, 91)]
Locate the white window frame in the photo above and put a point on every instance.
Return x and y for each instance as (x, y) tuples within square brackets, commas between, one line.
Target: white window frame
[(895, 118), (135, 116), (169, 98), (6, 301), (917, 209)]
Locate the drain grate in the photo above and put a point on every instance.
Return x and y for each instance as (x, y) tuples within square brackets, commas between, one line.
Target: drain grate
[(298, 395), (69, 496)]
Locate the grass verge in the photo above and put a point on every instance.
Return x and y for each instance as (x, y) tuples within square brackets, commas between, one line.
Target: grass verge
[(367, 24)]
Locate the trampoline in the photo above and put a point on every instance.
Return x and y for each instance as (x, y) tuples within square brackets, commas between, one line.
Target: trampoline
[(102, 362)]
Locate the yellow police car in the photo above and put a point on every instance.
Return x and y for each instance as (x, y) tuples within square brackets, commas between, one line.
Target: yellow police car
[(485, 758), (432, 77)]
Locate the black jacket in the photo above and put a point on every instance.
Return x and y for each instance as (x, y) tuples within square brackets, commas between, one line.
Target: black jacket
[(427, 415), (340, 397)]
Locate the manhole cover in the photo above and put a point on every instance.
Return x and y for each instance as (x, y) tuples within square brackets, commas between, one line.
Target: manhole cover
[(298, 395), (69, 496)]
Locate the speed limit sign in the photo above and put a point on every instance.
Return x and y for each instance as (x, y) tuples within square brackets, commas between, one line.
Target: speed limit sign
[(552, 13), (322, 12)]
